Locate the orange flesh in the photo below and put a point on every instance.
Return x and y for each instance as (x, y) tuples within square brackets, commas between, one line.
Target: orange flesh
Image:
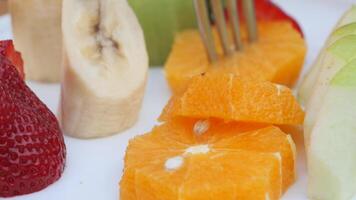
[(239, 165), (247, 157), (229, 97), (277, 57)]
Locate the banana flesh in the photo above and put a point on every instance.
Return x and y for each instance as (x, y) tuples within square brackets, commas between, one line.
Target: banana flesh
[(36, 26), (105, 67), (3, 7)]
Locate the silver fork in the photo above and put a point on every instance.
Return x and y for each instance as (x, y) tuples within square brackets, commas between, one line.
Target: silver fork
[(205, 29)]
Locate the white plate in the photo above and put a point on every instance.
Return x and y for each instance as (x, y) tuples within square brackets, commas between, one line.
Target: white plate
[(94, 167)]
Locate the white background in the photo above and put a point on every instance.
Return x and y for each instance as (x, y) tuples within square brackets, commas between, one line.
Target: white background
[(94, 167)]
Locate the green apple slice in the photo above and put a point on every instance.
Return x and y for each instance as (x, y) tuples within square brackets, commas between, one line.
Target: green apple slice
[(332, 150), (335, 57), (342, 29)]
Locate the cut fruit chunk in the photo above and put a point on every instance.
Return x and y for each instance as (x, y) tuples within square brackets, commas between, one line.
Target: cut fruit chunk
[(161, 25), (278, 57), (231, 98), (105, 67), (266, 10), (332, 149), (334, 58), (3, 7), (345, 26), (36, 26), (250, 165)]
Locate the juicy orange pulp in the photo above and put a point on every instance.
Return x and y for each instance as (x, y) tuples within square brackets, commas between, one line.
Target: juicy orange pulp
[(174, 162), (277, 56), (218, 140), (231, 98)]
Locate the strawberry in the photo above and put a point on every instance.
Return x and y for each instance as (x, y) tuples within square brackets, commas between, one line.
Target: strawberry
[(7, 50), (32, 149)]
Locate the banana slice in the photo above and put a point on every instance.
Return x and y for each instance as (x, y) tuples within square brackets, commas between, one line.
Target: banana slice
[(3, 7), (105, 67), (37, 33)]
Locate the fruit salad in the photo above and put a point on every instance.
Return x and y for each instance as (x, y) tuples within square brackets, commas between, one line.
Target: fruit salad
[(231, 126)]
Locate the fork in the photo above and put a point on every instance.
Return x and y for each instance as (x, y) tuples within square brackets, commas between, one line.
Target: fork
[(201, 10)]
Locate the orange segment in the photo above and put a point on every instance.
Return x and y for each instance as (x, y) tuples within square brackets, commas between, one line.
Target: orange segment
[(269, 139), (250, 165), (245, 136), (229, 97), (221, 173), (277, 57)]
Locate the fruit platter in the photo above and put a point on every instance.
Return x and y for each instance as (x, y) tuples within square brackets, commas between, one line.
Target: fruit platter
[(178, 100)]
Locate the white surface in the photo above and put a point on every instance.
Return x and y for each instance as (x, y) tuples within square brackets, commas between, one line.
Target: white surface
[(94, 167)]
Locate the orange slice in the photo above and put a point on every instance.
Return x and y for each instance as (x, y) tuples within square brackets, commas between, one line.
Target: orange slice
[(277, 57), (175, 162), (229, 97)]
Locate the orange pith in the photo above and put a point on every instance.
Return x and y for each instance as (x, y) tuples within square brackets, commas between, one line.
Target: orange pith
[(231, 98), (277, 57), (248, 165)]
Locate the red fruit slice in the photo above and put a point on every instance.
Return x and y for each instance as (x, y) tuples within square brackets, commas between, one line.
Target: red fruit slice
[(8, 51), (268, 11), (32, 149)]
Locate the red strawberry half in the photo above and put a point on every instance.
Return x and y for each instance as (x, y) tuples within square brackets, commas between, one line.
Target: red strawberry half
[(32, 149), (7, 50)]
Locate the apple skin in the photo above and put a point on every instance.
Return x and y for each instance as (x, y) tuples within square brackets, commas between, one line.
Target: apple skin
[(329, 95), (332, 150), (346, 77), (334, 58), (342, 29), (161, 20)]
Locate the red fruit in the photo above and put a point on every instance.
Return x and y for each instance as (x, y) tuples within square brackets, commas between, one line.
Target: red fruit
[(7, 50), (268, 11), (32, 149)]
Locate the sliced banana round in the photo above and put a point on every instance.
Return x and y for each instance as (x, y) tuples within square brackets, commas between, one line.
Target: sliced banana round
[(36, 26), (3, 7), (105, 67)]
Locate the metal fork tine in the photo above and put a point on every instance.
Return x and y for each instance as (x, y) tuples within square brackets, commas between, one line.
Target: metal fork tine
[(201, 11), (235, 23), (221, 25), (250, 15)]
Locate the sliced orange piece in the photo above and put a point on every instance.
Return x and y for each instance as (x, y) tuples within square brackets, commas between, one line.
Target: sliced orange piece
[(229, 97), (277, 57), (246, 136), (175, 162)]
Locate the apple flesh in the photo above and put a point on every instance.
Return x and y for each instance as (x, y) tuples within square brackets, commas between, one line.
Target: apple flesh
[(343, 28), (334, 58), (332, 150)]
